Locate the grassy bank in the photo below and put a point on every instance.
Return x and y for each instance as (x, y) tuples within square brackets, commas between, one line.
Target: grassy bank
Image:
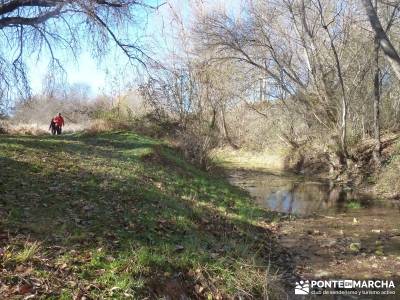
[(251, 160), (119, 215)]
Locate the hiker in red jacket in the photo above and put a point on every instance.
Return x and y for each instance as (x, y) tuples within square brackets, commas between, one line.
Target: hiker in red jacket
[(56, 124)]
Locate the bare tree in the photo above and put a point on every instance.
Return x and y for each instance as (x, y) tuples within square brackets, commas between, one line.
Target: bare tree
[(298, 46), (37, 28), (381, 40), (389, 51), (338, 66), (377, 96), (302, 66)]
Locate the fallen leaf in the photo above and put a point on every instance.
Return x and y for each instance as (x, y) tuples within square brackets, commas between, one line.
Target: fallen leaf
[(214, 255), (100, 272), (79, 295), (131, 225), (127, 295), (109, 258), (24, 271), (199, 289), (24, 289), (179, 248)]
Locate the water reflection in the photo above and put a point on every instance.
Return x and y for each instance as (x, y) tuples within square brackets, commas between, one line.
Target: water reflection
[(291, 194)]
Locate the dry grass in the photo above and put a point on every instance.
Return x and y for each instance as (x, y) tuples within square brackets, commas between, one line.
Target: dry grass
[(25, 254), (27, 129), (36, 129), (268, 159), (101, 125), (97, 126)]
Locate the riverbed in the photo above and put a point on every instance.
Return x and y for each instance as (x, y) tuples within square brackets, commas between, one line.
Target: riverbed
[(335, 232)]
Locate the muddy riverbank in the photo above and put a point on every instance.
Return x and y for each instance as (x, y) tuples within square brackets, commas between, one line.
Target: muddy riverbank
[(335, 231)]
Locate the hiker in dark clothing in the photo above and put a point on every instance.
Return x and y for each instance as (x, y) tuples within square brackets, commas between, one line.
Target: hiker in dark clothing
[(52, 127)]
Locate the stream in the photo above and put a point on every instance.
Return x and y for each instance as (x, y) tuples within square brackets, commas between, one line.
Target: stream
[(293, 194), (337, 232)]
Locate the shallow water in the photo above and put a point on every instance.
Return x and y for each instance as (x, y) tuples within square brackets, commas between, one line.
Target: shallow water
[(321, 245), (293, 194)]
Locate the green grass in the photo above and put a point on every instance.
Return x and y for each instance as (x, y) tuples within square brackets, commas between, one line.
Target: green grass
[(120, 215), (353, 204)]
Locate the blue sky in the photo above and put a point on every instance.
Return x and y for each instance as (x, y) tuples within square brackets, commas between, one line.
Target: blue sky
[(86, 70), (153, 26), (89, 70)]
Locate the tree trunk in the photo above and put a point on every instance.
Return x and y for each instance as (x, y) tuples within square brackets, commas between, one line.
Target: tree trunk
[(343, 125), (389, 51), (261, 89), (226, 133), (377, 134)]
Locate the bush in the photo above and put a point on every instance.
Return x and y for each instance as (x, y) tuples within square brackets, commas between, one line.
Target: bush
[(27, 129), (197, 141), (105, 125)]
